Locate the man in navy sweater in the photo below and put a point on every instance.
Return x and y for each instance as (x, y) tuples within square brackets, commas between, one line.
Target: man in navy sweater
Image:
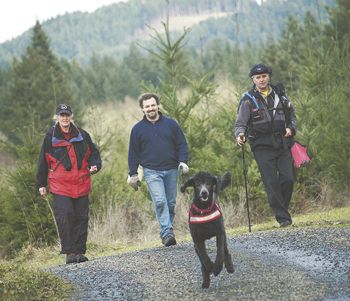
[(158, 144)]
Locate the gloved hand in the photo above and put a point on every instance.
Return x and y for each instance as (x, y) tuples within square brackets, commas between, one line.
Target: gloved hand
[(134, 181), (183, 167)]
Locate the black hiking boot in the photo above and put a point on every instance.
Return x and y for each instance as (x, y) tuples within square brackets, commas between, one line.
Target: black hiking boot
[(81, 258), (169, 240), (285, 224), (71, 258)]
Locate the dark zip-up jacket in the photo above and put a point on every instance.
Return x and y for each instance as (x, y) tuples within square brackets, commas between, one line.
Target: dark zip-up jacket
[(65, 163), (158, 146), (262, 129)]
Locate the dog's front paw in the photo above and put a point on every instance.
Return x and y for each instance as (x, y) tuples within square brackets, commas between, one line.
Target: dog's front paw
[(229, 265), (217, 268), (230, 268), (206, 277)]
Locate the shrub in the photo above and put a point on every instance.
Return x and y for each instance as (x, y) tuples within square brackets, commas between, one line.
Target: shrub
[(21, 283)]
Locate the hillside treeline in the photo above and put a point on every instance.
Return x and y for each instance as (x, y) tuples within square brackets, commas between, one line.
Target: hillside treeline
[(110, 30), (311, 58)]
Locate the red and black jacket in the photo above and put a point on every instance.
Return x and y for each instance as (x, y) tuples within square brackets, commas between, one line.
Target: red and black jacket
[(65, 160)]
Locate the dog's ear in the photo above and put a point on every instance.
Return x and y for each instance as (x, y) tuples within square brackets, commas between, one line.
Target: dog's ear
[(189, 182), (221, 183), (225, 180)]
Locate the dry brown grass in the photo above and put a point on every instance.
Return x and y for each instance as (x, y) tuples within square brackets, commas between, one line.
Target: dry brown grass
[(326, 198), (132, 225), (114, 117), (137, 226), (6, 159), (122, 225)]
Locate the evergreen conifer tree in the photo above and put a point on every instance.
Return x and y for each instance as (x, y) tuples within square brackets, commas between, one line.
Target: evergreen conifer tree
[(38, 84), (340, 22)]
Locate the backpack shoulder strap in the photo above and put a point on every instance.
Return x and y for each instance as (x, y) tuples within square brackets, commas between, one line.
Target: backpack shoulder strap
[(252, 100), (280, 91)]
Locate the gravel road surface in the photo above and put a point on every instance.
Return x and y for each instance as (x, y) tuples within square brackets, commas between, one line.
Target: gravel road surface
[(291, 264)]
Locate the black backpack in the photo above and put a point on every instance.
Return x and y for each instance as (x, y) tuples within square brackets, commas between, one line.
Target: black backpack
[(280, 91)]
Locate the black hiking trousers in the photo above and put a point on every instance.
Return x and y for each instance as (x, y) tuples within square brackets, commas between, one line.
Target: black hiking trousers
[(277, 172), (72, 218)]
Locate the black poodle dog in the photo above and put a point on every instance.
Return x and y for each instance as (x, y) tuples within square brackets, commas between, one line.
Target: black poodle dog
[(206, 221)]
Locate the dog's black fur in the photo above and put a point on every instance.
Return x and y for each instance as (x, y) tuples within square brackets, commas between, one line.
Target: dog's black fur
[(206, 188)]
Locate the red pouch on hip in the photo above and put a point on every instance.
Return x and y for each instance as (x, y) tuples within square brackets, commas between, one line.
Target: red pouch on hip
[(299, 154)]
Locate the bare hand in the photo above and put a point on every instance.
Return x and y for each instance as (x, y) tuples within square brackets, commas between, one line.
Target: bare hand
[(42, 191), (288, 133), (93, 169), (240, 139)]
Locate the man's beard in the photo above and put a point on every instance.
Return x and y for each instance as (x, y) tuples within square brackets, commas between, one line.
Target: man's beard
[(152, 115)]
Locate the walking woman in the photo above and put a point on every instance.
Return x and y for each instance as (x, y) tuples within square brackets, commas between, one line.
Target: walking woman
[(67, 160)]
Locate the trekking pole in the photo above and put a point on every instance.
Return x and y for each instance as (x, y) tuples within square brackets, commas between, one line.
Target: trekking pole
[(52, 214), (246, 185)]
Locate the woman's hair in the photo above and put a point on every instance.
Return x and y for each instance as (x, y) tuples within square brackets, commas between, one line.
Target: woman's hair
[(146, 96), (55, 118)]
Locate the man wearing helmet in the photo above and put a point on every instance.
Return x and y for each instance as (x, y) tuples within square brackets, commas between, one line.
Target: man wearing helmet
[(267, 118)]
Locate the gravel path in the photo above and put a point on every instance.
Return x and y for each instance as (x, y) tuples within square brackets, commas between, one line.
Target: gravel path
[(292, 264)]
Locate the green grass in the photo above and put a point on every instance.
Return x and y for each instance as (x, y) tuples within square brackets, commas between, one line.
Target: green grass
[(332, 217), (23, 278), (18, 282)]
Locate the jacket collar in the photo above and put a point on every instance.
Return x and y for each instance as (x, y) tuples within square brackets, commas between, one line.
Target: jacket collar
[(58, 137)]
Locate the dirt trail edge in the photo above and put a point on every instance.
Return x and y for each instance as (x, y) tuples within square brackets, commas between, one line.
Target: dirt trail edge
[(292, 264)]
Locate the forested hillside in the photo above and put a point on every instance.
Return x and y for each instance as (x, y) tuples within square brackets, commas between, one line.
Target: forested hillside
[(200, 87), (110, 30)]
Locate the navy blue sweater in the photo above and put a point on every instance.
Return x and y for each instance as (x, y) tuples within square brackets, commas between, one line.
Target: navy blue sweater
[(159, 146)]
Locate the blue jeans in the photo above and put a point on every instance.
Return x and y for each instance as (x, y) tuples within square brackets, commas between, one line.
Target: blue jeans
[(162, 186)]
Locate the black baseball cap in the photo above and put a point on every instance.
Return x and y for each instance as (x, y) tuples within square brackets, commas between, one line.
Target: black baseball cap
[(63, 109), (260, 69)]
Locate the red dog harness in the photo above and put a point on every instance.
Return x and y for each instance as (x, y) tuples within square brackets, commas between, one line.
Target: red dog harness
[(200, 216)]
